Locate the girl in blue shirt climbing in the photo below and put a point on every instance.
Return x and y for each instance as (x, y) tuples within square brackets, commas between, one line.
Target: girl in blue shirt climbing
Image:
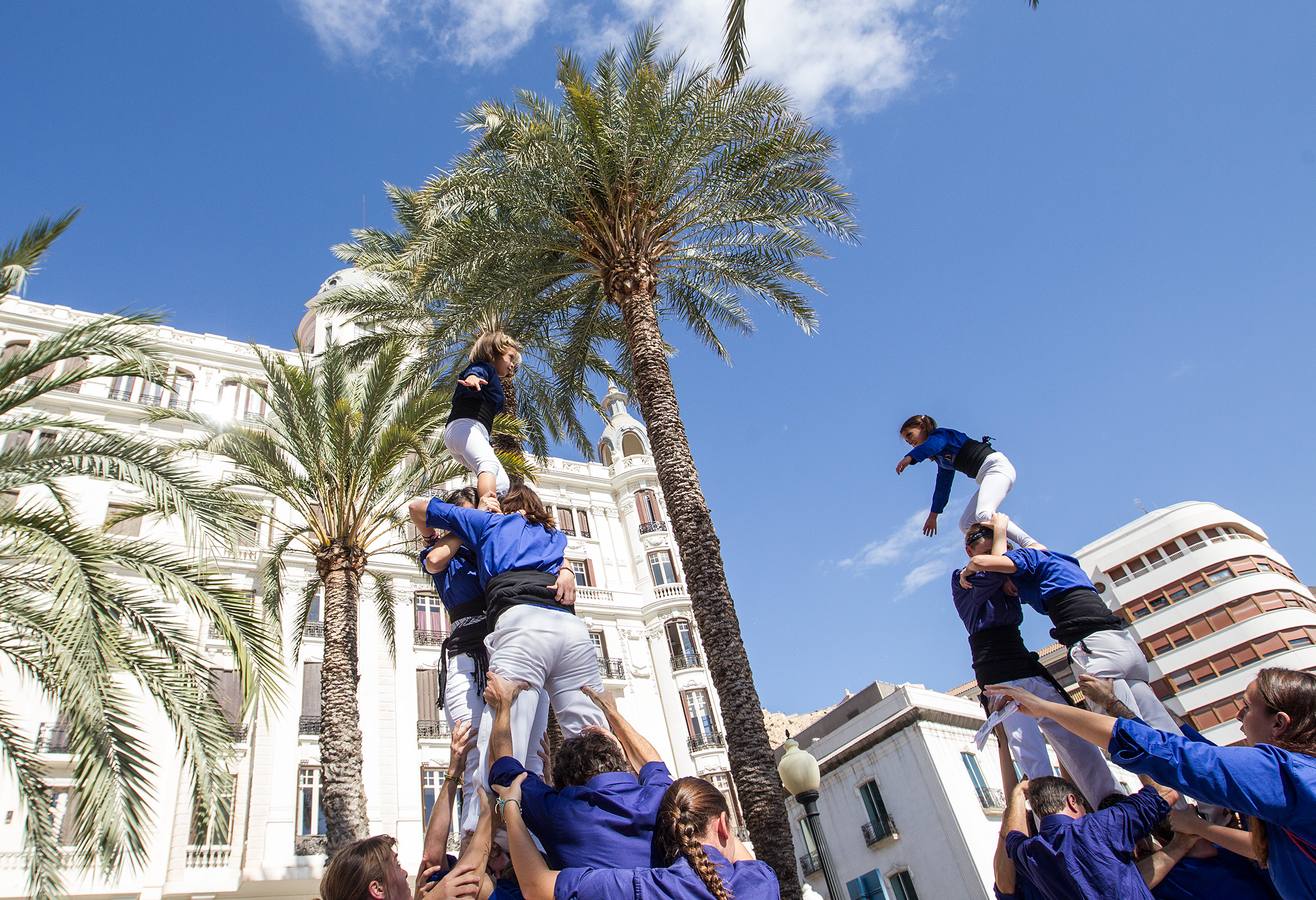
[(1272, 779), (954, 451), (479, 397)]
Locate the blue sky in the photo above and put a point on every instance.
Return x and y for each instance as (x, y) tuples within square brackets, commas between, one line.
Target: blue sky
[(1088, 231)]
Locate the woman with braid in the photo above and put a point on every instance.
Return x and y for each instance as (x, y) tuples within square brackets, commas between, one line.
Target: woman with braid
[(693, 834)]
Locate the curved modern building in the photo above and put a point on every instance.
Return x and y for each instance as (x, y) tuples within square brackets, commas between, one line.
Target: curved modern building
[(1210, 601)]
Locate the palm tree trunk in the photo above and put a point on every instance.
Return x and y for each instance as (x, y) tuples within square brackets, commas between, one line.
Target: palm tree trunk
[(752, 762), (505, 443), (342, 790)]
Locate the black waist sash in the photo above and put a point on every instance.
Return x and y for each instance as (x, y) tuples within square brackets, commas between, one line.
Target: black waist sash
[(480, 408), (1000, 655), (517, 588), (970, 457), (470, 626), (1079, 612)]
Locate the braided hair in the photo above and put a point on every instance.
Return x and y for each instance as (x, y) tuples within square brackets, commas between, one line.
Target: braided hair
[(684, 814)]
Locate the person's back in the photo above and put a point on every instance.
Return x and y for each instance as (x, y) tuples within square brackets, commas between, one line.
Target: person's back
[(1084, 855), (1223, 875), (749, 879)]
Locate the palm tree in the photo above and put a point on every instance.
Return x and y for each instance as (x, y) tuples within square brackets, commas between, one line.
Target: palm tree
[(80, 608), (344, 448), (735, 55), (652, 193)]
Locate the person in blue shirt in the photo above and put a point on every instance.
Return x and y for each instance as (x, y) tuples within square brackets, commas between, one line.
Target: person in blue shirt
[(1272, 779), (954, 451), (702, 858), (533, 638), (1055, 585), (462, 658), (598, 812), (1082, 855), (477, 398), (990, 609)]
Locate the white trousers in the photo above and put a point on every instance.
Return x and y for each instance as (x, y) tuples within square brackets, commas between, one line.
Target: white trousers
[(551, 651), (1082, 760), (995, 479), (468, 441), (1115, 655), (462, 702)]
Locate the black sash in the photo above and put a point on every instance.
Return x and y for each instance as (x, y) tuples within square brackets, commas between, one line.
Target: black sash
[(517, 588), (970, 457), (470, 626), (1079, 612), (1000, 655)]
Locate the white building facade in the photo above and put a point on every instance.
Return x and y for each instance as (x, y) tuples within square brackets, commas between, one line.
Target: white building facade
[(1210, 601), (908, 806), (631, 593)]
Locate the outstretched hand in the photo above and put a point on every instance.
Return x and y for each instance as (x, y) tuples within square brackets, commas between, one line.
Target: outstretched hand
[(1029, 704), (462, 883), (474, 382), (930, 524), (905, 463), (511, 791)]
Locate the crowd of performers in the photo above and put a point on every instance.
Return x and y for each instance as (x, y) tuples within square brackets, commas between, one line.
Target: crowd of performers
[(1251, 832), (603, 817)]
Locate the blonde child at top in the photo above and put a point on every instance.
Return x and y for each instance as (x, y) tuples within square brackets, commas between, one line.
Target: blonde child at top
[(479, 397)]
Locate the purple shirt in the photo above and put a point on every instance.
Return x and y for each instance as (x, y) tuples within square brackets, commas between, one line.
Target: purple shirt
[(605, 823), (1091, 857), (747, 880)]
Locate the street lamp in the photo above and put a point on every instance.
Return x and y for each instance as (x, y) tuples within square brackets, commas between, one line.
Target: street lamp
[(800, 776)]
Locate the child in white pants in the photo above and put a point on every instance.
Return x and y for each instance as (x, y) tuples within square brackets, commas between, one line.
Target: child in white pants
[(477, 398), (954, 451)]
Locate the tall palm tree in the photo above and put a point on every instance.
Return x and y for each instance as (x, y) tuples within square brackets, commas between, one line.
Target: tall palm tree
[(653, 194), (81, 608), (343, 448)]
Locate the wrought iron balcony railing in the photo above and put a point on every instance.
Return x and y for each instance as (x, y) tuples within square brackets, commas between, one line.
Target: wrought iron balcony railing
[(647, 527), (313, 630), (810, 863), (689, 660), (431, 729), (53, 737), (425, 638), (611, 668), (880, 832), (991, 798), (308, 725), (707, 741)]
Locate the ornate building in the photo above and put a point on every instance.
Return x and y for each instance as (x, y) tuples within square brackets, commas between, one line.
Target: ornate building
[(632, 594)]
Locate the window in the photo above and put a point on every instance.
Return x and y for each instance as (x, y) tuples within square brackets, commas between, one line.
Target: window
[(229, 392), (255, 407), (975, 775), (600, 645), (1223, 663), (631, 445), (181, 386), (123, 387), (117, 525), (218, 831), (646, 504), (605, 452), (661, 567), (902, 886), (227, 688), (72, 367), (431, 780), (698, 713), (681, 642), (584, 570), (152, 393), (1219, 576), (876, 809), (64, 812), (310, 809), (430, 617), (722, 781), (12, 349), (582, 519), (316, 612), (565, 521), (427, 696), (866, 887), (310, 698)]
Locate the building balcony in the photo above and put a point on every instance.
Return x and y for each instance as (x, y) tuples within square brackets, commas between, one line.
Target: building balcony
[(810, 863), (611, 669), (593, 595), (203, 856), (673, 591), (310, 844), (425, 638), (431, 730), (711, 740), (313, 630), (991, 798), (650, 527), (308, 725), (874, 834), (124, 396), (53, 737), (690, 660)]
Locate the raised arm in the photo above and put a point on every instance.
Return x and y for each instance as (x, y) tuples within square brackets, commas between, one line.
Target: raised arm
[(1014, 819), (1155, 867), (535, 878), (639, 752), (1187, 822), (476, 855), (435, 852), (1090, 726), (934, 444), (469, 524), (441, 554), (1000, 523), (500, 694)]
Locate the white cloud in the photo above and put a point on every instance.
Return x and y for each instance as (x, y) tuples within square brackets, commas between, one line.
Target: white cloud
[(837, 57), (892, 548), (925, 573), (399, 32)]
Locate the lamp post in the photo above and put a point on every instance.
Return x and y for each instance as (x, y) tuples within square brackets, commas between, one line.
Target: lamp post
[(800, 776)]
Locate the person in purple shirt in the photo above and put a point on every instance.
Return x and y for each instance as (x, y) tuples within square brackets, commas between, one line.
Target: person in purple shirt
[(1272, 780), (1081, 854), (703, 859), (598, 813)]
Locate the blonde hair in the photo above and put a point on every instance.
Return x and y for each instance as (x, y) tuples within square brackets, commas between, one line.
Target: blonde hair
[(687, 808), (492, 344)]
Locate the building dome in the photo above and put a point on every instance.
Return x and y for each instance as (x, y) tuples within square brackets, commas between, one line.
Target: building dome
[(623, 434), (316, 331)]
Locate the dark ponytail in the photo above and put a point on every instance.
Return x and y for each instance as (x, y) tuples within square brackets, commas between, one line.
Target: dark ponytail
[(927, 423), (687, 808)]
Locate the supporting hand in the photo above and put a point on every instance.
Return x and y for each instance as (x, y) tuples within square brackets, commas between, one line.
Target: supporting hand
[(499, 692), (1029, 704), (463, 739), (512, 791), (489, 503), (606, 703), (565, 585), (1099, 691)]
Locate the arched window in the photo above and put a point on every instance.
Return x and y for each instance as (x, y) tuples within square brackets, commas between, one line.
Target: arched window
[(229, 392), (71, 367), (605, 451), (631, 445), (181, 386), (152, 394), (255, 409), (646, 504), (123, 387), (681, 643), (13, 348)]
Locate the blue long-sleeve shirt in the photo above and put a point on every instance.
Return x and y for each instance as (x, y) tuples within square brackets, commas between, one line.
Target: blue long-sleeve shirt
[(1091, 857), (985, 604), (749, 879), (492, 391), (1223, 875), (502, 543), (942, 444), (459, 583), (1042, 574), (1268, 783)]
